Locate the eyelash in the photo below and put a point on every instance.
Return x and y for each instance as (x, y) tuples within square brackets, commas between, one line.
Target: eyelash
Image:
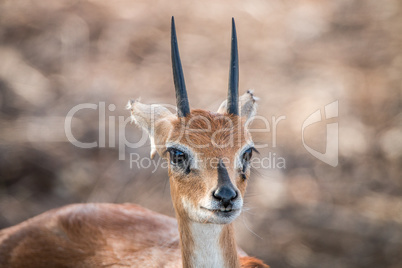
[(179, 159), (246, 157)]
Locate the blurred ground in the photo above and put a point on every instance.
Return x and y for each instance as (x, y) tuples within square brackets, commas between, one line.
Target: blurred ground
[(298, 56)]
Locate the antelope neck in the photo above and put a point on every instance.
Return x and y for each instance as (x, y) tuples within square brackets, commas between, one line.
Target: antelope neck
[(207, 245)]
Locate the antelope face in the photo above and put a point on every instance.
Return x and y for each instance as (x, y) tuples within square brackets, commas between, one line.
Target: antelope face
[(209, 156), (209, 153)]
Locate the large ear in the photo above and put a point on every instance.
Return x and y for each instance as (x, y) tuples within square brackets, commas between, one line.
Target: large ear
[(247, 103), (154, 118)]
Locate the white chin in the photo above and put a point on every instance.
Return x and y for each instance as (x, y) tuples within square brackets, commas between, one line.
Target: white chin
[(216, 217)]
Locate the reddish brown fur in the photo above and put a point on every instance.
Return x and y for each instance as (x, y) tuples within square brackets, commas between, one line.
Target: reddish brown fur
[(185, 239), (86, 235), (186, 131), (199, 128), (250, 262), (90, 235), (97, 235), (228, 243), (196, 129)]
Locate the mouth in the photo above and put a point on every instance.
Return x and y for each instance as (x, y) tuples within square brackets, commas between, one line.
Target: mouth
[(222, 212)]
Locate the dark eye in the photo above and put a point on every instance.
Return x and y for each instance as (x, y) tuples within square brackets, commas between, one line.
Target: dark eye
[(247, 155), (177, 157), (246, 158)]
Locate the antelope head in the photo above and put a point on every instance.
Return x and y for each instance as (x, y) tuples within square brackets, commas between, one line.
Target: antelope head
[(208, 152)]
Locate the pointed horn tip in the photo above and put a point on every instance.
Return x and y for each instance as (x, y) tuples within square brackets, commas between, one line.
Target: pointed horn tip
[(234, 34), (233, 94), (178, 77)]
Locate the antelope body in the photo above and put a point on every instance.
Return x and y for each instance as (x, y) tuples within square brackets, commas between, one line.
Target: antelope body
[(208, 156)]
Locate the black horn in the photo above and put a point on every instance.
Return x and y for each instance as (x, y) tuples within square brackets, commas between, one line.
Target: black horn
[(183, 108), (233, 92)]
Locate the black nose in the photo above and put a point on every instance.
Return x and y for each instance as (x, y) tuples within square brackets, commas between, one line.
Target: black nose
[(225, 194)]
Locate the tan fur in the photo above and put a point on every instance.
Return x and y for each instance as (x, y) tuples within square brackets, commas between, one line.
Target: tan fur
[(197, 186), (197, 128), (91, 236), (228, 243), (250, 262), (110, 235)]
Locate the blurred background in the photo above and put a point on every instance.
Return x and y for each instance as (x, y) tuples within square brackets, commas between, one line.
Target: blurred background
[(298, 56)]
